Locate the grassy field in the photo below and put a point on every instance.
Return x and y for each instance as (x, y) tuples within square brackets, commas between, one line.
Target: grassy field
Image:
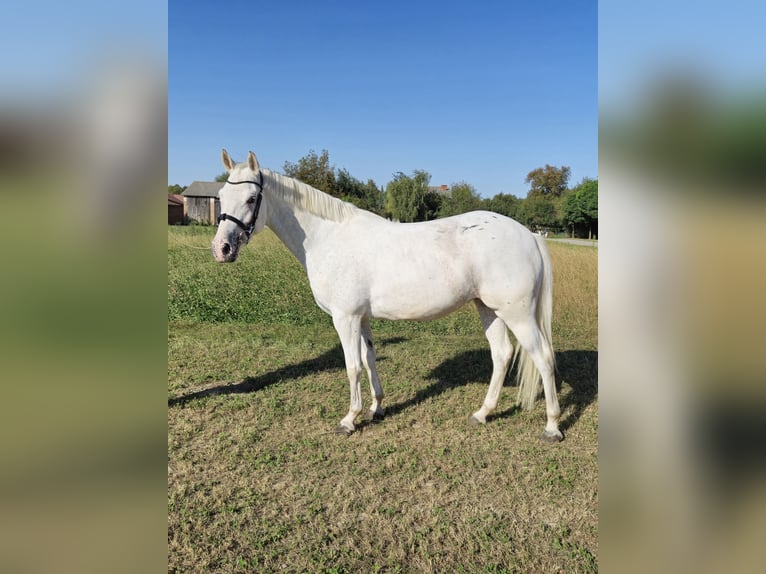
[(258, 482)]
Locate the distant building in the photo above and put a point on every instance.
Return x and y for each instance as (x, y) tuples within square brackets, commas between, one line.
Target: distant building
[(440, 189), (201, 199), (176, 209)]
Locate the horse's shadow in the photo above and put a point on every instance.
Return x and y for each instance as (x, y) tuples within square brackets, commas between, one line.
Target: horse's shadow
[(579, 369), (331, 359)]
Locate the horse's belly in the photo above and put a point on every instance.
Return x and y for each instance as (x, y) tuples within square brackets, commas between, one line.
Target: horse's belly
[(414, 312), (428, 300)]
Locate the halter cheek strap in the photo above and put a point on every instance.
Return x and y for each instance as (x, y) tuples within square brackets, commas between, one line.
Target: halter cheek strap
[(248, 229)]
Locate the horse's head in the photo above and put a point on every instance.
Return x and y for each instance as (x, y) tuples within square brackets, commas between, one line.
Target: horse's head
[(241, 215)]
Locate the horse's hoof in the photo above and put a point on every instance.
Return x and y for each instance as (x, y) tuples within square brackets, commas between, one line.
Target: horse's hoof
[(343, 431), (552, 437), (373, 417), (474, 422)]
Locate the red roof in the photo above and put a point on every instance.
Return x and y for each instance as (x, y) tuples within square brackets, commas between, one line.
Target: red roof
[(175, 199)]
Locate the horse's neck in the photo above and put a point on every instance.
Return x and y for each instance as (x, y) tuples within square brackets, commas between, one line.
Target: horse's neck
[(293, 226)]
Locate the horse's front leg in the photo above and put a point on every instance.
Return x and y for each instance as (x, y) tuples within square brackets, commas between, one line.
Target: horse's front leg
[(349, 331), (376, 411)]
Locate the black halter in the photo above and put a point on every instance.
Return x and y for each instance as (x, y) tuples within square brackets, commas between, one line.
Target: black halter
[(247, 228)]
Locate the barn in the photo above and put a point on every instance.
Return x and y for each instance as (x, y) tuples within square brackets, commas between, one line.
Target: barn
[(176, 209), (201, 199)]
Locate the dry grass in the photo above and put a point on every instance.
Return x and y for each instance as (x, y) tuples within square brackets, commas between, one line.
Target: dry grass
[(575, 302), (257, 482)]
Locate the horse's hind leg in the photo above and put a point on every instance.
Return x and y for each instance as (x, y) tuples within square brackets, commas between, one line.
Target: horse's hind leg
[(531, 339), (502, 351), (376, 411)]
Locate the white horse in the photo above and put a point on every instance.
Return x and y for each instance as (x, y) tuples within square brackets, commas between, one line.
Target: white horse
[(360, 266)]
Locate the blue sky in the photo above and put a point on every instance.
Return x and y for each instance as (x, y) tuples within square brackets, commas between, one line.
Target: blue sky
[(481, 92)]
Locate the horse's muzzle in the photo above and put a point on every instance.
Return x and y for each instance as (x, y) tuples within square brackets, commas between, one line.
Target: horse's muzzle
[(224, 252)]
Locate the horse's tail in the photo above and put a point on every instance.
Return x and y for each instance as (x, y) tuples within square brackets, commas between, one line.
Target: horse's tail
[(527, 376)]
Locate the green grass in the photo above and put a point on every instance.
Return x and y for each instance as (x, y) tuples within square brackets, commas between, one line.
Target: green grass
[(257, 482)]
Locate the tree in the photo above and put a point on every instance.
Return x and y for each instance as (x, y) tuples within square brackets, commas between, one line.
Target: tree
[(462, 198), (541, 209), (580, 209), (375, 198), (406, 197), (537, 212), (221, 177), (176, 189), (504, 204), (364, 195), (548, 181), (314, 170), (432, 204)]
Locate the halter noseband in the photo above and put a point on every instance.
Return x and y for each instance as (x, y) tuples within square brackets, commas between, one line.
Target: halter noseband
[(247, 228)]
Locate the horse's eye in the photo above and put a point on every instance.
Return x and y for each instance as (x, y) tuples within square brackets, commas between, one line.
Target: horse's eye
[(251, 200)]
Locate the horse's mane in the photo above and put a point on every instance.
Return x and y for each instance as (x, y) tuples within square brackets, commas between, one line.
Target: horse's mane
[(308, 198)]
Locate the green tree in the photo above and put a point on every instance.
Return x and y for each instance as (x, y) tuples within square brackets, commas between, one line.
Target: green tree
[(432, 204), (314, 170), (406, 197), (542, 208), (221, 177), (548, 181), (580, 209), (364, 195), (504, 204), (176, 189), (537, 212), (462, 198)]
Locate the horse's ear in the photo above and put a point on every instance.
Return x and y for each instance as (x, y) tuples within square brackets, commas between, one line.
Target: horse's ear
[(252, 161), (228, 163)]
